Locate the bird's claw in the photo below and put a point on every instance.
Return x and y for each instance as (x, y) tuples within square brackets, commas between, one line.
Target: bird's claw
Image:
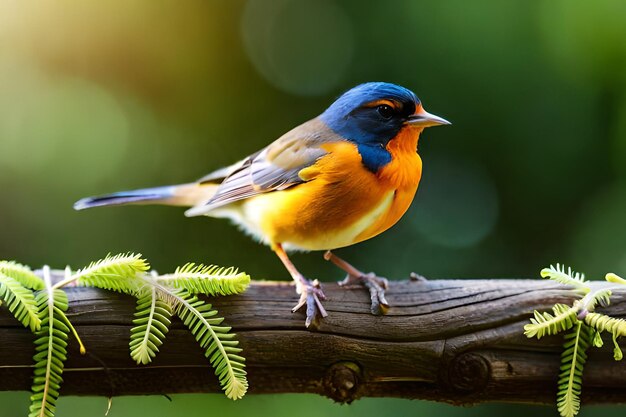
[(376, 286), (311, 295)]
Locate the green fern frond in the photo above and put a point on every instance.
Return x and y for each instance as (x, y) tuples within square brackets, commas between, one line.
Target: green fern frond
[(22, 274), (618, 355), (152, 320), (586, 328), (567, 277), (597, 339), (617, 327), (547, 324), (218, 342), (611, 277), (603, 297), (20, 301), (116, 273), (573, 361), (209, 280), (588, 303), (51, 352), (603, 323)]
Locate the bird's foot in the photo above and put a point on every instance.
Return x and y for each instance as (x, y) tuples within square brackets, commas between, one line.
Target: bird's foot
[(375, 284), (311, 296)]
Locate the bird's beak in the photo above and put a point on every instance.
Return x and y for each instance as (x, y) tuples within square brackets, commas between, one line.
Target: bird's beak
[(424, 119)]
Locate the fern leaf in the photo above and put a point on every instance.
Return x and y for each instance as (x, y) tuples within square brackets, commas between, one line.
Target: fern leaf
[(567, 277), (51, 352), (603, 297), (573, 361), (20, 301), (547, 324), (597, 339), (21, 274), (618, 355), (611, 277), (152, 320), (588, 303), (217, 341), (209, 280), (602, 323), (617, 327), (116, 273)]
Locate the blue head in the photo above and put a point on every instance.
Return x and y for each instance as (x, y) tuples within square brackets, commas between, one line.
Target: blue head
[(372, 114)]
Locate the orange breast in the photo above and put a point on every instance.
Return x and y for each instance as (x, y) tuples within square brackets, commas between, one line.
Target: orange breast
[(343, 203), (402, 175)]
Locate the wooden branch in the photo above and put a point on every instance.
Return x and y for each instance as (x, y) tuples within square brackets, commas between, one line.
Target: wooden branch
[(458, 341)]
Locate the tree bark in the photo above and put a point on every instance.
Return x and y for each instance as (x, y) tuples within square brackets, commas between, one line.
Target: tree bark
[(457, 341)]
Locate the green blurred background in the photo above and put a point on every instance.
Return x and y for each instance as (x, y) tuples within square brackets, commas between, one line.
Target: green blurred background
[(102, 96)]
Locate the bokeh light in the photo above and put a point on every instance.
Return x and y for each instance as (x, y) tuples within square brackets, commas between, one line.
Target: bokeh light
[(70, 127)]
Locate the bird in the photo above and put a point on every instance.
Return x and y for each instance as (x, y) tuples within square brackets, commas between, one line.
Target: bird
[(338, 179)]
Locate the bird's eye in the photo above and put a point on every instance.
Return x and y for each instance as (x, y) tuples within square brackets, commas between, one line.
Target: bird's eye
[(385, 111)]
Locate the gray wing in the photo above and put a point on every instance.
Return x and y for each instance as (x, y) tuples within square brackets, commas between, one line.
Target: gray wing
[(273, 168), (219, 175)]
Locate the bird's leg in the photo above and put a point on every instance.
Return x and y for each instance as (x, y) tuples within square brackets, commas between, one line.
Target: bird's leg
[(375, 284), (310, 292)]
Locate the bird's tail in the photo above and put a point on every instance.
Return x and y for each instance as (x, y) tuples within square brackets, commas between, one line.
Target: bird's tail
[(186, 195)]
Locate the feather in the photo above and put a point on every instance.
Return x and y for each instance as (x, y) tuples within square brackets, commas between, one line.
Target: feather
[(276, 167), (186, 195)]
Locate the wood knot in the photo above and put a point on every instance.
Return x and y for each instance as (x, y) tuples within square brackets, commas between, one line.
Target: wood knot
[(342, 381), (469, 372)]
